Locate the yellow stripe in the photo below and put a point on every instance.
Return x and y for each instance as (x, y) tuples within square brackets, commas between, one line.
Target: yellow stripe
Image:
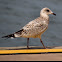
[(29, 51)]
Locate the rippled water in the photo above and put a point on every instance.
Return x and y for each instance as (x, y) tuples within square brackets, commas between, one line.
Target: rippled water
[(14, 14)]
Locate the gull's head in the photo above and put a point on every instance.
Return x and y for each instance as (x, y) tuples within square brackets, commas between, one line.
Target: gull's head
[(46, 12)]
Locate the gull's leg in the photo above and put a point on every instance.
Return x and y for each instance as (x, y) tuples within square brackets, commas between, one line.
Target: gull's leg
[(27, 43), (42, 44)]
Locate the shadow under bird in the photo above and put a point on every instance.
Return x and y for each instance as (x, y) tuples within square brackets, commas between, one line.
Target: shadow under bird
[(35, 28)]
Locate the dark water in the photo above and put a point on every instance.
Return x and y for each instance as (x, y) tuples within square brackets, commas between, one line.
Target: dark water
[(14, 14)]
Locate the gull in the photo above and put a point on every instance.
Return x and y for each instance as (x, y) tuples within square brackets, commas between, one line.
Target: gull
[(35, 28)]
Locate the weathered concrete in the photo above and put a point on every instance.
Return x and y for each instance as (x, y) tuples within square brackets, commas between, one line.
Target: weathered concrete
[(32, 57)]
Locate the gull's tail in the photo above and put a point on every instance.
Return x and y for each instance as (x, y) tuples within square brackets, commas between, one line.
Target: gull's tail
[(16, 34), (9, 36)]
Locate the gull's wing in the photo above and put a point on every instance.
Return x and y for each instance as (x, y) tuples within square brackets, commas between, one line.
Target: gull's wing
[(33, 28)]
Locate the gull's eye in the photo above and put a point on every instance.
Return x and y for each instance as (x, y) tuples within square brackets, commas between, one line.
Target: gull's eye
[(47, 10)]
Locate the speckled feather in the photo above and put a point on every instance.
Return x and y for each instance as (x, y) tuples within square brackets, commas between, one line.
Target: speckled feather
[(33, 29)]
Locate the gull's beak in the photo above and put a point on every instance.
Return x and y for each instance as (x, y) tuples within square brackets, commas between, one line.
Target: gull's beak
[(54, 14)]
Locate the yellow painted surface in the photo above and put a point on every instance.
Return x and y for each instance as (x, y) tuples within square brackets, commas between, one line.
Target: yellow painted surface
[(29, 51)]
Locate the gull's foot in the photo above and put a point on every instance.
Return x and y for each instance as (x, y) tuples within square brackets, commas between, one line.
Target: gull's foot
[(28, 47), (45, 47)]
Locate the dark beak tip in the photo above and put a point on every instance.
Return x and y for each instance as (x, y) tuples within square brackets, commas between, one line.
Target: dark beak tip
[(54, 14)]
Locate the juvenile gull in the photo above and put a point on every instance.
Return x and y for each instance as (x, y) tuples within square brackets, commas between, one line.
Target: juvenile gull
[(35, 28)]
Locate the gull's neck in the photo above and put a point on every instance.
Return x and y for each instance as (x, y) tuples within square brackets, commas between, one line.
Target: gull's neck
[(45, 16)]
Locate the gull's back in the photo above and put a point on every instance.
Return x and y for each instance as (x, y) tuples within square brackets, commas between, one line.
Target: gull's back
[(34, 29)]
